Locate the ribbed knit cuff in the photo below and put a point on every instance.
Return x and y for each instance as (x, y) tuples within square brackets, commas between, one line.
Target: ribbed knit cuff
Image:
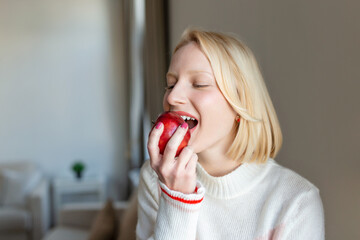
[(193, 198), (178, 213)]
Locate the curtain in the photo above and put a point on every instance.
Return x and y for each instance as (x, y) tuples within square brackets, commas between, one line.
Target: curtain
[(147, 44), (156, 61)]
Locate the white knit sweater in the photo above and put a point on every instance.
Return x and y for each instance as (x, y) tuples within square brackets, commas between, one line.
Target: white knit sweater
[(255, 201)]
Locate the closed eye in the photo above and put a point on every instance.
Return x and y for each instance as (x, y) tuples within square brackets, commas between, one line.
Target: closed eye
[(200, 86)]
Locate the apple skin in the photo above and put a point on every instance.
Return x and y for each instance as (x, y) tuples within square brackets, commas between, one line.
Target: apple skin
[(171, 121)]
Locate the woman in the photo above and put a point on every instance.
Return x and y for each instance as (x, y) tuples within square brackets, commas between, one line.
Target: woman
[(225, 183)]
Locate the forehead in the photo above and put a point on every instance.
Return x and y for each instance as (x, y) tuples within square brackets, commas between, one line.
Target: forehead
[(189, 58)]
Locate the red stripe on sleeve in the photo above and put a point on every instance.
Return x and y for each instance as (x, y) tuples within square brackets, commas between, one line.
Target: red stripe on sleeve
[(182, 200)]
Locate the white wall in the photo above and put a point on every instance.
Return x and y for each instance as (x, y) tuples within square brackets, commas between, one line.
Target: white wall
[(309, 54), (61, 98)]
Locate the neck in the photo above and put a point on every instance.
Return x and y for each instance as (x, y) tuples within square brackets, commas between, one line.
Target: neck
[(214, 159), (217, 164)]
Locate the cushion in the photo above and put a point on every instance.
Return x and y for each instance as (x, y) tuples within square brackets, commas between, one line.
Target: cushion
[(12, 219), (127, 227), (104, 226), (15, 185)]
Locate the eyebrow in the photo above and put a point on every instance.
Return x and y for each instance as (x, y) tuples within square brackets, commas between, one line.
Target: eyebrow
[(172, 74)]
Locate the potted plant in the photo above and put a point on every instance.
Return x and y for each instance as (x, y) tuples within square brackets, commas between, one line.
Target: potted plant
[(78, 167)]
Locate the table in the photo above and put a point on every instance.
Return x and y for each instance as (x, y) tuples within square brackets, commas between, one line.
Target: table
[(70, 190)]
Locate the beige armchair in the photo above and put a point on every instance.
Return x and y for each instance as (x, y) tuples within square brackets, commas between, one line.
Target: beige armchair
[(24, 202)]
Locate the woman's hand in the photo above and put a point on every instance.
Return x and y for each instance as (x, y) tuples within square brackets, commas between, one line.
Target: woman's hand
[(178, 174)]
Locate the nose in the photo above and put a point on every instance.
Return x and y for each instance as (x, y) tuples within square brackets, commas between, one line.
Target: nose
[(176, 96)]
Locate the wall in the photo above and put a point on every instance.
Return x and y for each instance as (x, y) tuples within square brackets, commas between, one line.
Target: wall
[(62, 88), (309, 55)]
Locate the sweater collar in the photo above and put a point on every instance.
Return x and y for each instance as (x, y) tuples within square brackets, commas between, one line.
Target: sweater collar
[(237, 182)]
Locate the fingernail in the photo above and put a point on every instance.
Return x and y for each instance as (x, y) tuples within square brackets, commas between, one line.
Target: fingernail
[(184, 125), (158, 125)]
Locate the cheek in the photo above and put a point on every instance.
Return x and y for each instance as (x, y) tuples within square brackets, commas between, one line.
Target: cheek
[(205, 100), (218, 107), (216, 114)]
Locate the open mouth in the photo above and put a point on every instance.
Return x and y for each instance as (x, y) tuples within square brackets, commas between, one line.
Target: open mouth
[(192, 122)]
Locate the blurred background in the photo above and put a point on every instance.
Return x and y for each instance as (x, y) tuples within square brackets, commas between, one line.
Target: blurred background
[(81, 80)]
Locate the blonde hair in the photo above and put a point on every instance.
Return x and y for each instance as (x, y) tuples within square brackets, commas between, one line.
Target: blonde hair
[(258, 135)]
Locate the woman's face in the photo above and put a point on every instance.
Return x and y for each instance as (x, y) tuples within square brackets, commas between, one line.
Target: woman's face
[(192, 91)]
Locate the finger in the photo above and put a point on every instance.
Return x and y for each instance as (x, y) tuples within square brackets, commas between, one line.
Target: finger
[(191, 165), (153, 144), (174, 142), (184, 157)]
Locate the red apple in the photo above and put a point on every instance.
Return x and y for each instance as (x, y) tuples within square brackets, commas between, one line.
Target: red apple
[(171, 121)]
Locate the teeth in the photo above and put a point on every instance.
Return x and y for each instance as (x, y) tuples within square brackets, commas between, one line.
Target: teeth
[(187, 118)]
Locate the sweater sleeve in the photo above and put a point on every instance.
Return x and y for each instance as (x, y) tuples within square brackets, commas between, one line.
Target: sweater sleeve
[(307, 222), (163, 213)]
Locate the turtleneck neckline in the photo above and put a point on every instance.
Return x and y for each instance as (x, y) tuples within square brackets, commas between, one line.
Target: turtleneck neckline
[(237, 182)]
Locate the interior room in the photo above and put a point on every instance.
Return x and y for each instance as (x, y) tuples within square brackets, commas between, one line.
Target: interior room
[(81, 83)]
